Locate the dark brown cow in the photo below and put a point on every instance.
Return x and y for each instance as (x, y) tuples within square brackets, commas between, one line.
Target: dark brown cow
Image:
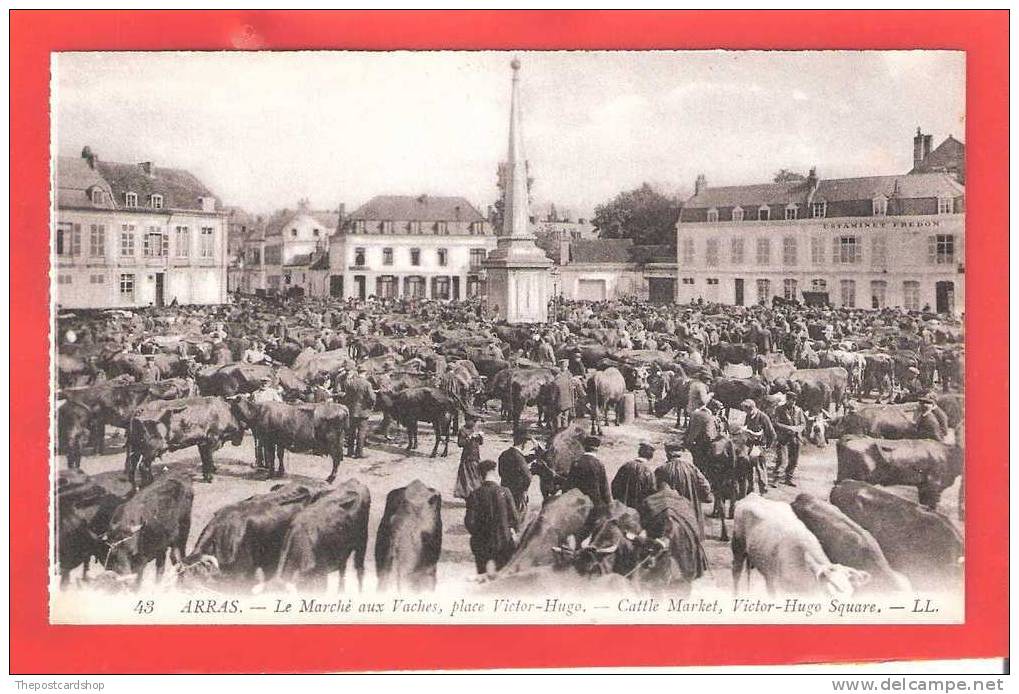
[(930, 466), (734, 353), (317, 428), (324, 534), (143, 528), (553, 465), (246, 538), (84, 507), (923, 545), (732, 391), (517, 389), (161, 426), (424, 404), (834, 379), (409, 538), (563, 516), (846, 542)]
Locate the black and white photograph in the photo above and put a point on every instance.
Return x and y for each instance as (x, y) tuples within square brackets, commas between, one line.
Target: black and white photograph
[(508, 337)]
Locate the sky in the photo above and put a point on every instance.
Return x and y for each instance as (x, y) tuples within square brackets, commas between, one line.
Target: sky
[(265, 129)]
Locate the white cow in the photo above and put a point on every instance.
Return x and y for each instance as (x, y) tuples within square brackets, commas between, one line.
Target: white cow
[(768, 536)]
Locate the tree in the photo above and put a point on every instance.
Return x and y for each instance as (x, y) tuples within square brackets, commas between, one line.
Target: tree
[(645, 215), (786, 176)]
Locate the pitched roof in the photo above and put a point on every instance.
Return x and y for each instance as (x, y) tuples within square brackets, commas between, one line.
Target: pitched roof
[(280, 219), (751, 195), (420, 208), (180, 189), (74, 181), (836, 189), (601, 251), (950, 155)]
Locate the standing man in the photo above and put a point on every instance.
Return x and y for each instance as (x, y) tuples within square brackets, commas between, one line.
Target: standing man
[(760, 435), (635, 480), (683, 476), (491, 520), (790, 421), (928, 424), (701, 431), (564, 388), (589, 476), (359, 397), (515, 470), (150, 372)]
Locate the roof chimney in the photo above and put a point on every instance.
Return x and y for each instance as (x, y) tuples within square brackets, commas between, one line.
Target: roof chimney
[(147, 167), (700, 184), (926, 145), (87, 155), (812, 178), (303, 205), (918, 148)]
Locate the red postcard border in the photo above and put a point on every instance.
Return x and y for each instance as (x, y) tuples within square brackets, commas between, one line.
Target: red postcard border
[(38, 647)]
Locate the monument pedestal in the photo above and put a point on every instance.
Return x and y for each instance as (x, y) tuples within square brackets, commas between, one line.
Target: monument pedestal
[(519, 280)]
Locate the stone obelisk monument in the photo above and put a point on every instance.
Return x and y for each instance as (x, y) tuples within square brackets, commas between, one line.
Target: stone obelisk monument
[(518, 271)]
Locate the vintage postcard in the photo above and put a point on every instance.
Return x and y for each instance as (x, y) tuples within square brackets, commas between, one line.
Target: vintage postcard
[(508, 337)]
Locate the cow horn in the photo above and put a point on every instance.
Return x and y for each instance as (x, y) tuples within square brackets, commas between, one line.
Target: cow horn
[(211, 560), (607, 550)]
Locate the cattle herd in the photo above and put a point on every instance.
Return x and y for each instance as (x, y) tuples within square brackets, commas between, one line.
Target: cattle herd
[(282, 372)]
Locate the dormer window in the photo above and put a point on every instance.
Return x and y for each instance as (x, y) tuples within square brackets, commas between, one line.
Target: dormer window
[(130, 199), (386, 227), (156, 201), (97, 196), (946, 206), (819, 209), (737, 214), (880, 206), (791, 211), (712, 215), (763, 213)]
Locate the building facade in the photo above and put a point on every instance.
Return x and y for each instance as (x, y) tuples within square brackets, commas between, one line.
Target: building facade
[(873, 242), (135, 235), (406, 246), (289, 250)]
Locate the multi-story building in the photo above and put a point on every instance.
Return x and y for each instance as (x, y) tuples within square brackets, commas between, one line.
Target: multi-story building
[(130, 235), (288, 250), (857, 242), (406, 246)]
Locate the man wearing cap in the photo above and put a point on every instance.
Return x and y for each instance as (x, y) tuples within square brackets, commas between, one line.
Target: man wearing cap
[(491, 519), (359, 397), (635, 480), (564, 387), (760, 435), (150, 372), (701, 430), (589, 476), (686, 479), (515, 469), (928, 424), (790, 421)]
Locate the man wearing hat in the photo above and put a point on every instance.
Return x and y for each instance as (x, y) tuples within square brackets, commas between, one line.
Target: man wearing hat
[(635, 480), (928, 424), (564, 393), (150, 372), (790, 421), (679, 473), (589, 476), (760, 435), (515, 469), (359, 397), (702, 429), (491, 519)]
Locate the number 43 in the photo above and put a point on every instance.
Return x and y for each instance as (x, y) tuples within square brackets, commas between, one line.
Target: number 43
[(144, 607)]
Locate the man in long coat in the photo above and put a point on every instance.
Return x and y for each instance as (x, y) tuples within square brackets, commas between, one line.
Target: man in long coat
[(359, 397), (589, 476), (684, 477), (635, 480), (515, 470), (491, 519)]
